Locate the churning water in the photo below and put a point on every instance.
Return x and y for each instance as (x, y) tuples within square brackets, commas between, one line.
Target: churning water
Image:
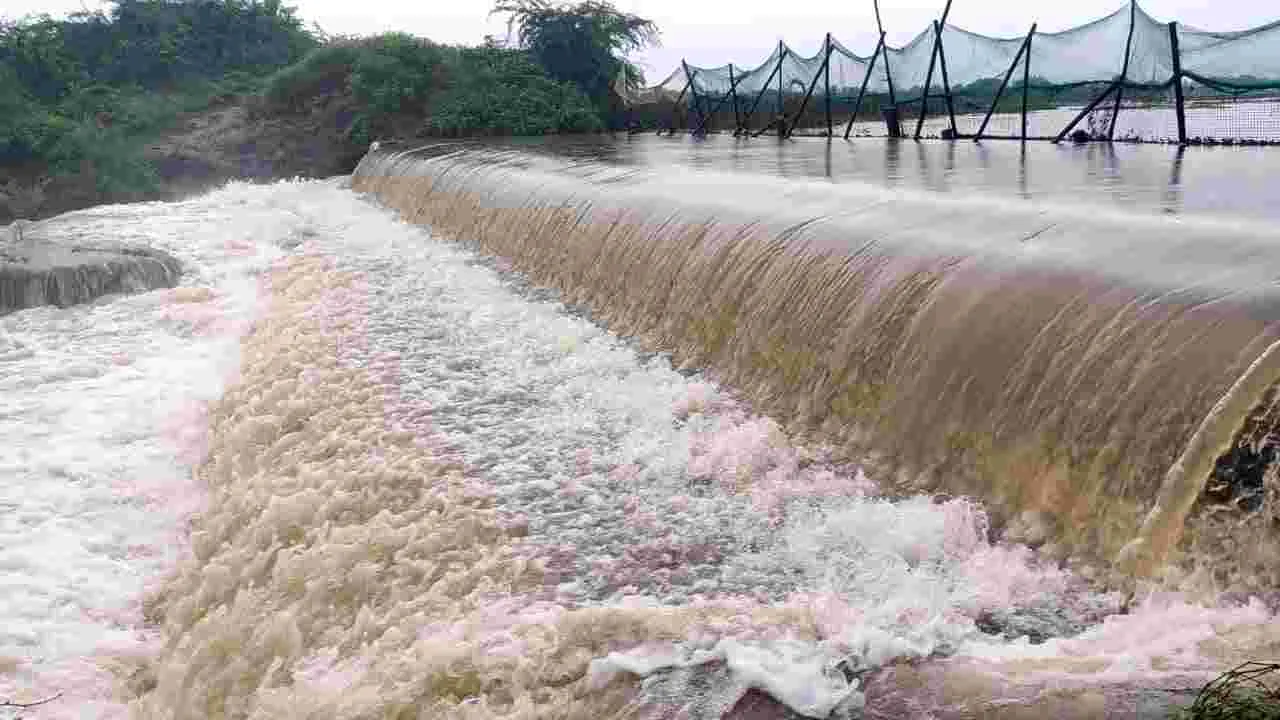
[(424, 486)]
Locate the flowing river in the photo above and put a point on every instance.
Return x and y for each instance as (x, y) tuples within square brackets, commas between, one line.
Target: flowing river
[(651, 429)]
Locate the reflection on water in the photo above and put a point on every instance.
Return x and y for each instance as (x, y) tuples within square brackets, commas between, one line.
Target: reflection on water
[(1145, 178)]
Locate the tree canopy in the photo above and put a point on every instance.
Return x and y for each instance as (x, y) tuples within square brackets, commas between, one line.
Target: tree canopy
[(585, 43), (151, 43)]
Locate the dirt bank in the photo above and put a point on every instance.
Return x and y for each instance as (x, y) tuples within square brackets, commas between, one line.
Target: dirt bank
[(237, 138)]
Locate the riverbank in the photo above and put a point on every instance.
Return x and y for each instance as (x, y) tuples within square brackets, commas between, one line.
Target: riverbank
[(313, 118)]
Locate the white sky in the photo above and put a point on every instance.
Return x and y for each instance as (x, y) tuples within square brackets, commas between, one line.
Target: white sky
[(714, 32)]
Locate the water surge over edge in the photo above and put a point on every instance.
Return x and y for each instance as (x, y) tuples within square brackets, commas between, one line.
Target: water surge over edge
[(433, 490), (1079, 370)]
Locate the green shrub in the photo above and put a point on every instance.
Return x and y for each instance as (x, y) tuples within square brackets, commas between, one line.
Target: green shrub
[(502, 92), (321, 71), (1248, 691), (396, 73), (114, 158)]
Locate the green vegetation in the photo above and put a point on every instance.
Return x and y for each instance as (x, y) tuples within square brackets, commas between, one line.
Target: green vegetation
[(585, 44), (502, 92), (84, 96), (1246, 692), (402, 84)]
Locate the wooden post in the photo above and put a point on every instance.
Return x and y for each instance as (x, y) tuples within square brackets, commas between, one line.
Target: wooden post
[(782, 55), (885, 48), (676, 107), (733, 90), (946, 82), (827, 83), (723, 99), (1124, 70), (1005, 83), (760, 95), (812, 84), (1026, 86), (1179, 108), (693, 90), (928, 80), (1088, 109), (862, 90)]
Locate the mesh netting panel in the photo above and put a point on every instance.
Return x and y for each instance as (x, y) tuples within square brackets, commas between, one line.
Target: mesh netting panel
[(909, 64), (976, 59), (711, 82), (1232, 81), (753, 80), (1091, 52), (848, 71), (1248, 59), (1151, 57), (798, 72), (1215, 116)]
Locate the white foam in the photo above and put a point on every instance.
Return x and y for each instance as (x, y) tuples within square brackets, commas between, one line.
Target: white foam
[(612, 509), (96, 405)]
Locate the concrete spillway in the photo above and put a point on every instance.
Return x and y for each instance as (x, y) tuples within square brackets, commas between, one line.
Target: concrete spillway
[(38, 267), (1081, 368)]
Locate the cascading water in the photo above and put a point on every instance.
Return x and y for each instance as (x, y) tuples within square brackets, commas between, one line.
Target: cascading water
[(436, 490), (1081, 367)]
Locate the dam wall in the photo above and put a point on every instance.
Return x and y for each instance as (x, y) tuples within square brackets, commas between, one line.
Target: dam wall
[(1085, 372)]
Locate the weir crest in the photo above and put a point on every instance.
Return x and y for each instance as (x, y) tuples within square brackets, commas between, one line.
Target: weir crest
[(1089, 370)]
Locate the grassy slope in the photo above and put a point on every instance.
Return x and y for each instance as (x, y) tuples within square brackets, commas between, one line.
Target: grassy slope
[(314, 118)]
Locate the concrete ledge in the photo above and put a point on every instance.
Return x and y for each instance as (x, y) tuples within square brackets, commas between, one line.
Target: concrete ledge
[(35, 270)]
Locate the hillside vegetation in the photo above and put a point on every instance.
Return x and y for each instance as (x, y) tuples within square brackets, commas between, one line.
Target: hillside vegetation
[(154, 98)]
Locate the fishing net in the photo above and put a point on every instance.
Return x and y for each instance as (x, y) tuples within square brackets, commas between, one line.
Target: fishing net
[(1116, 78)]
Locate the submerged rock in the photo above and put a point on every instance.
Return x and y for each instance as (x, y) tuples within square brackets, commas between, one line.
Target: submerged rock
[(1037, 624), (35, 270)]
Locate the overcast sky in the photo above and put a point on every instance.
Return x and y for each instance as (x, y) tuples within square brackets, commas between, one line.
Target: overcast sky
[(714, 32)]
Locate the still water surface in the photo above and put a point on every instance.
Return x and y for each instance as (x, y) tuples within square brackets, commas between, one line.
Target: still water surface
[(1231, 181)]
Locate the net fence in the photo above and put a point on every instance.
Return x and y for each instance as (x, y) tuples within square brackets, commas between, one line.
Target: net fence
[(1124, 77)]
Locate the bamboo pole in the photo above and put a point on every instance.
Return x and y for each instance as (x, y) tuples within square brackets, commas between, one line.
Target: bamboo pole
[(946, 81), (782, 56), (1088, 109), (733, 90), (724, 98), (924, 94), (1124, 70), (1026, 86), (1179, 106), (763, 89), (862, 90), (827, 83), (812, 84), (1005, 83), (676, 107), (887, 74), (693, 90)]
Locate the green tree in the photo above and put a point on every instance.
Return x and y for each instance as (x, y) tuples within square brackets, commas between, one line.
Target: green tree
[(37, 52), (585, 43), (499, 91), (396, 73)]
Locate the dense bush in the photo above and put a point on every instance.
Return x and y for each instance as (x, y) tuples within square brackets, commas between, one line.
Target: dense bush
[(397, 73), (323, 70), (79, 95), (155, 44), (86, 94), (458, 90), (585, 43), (500, 91)]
